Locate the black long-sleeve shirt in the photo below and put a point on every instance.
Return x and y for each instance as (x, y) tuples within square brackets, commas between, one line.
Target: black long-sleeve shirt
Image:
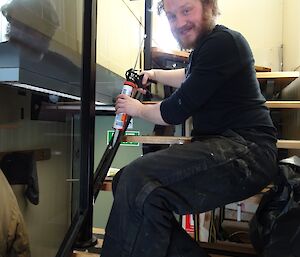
[(221, 90)]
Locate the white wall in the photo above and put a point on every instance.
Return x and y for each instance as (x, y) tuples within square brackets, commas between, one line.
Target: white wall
[(291, 34), (119, 33), (261, 22), (69, 32)]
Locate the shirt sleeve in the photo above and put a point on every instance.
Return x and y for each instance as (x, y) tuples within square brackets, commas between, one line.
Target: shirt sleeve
[(216, 60)]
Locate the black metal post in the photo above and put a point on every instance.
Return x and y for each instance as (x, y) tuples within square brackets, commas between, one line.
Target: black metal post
[(82, 223), (148, 33), (87, 123)]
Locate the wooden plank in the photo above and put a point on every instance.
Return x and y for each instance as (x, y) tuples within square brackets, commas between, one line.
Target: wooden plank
[(285, 144), (270, 104), (84, 254), (178, 55), (288, 144), (157, 139), (229, 247), (39, 154), (100, 231), (175, 55), (278, 75), (262, 69), (281, 79), (283, 104)]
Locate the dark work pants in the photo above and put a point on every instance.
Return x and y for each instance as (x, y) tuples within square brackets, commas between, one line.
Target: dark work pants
[(189, 178)]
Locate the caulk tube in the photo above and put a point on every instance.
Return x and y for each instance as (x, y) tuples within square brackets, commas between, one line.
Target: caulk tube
[(120, 119)]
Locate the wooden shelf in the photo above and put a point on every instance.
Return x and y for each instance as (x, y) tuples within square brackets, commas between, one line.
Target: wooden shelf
[(225, 247), (283, 104), (278, 79), (39, 154), (84, 254), (288, 144), (285, 144), (174, 55), (269, 104), (100, 231), (285, 75), (168, 140), (262, 69), (182, 56)]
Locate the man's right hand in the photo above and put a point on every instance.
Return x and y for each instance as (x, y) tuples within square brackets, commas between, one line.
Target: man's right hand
[(147, 75)]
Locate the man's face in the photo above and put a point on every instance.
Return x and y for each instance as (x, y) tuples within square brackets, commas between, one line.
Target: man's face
[(188, 20)]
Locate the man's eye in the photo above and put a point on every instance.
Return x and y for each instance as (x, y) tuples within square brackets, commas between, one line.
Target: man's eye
[(186, 11)]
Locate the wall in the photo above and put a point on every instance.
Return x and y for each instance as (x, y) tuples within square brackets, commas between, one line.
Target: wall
[(291, 35), (119, 34), (69, 32), (260, 21)]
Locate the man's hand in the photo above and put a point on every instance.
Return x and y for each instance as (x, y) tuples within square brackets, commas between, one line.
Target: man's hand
[(173, 78), (134, 108), (148, 75), (128, 105)]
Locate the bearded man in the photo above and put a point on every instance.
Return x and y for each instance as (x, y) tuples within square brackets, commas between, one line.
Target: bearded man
[(233, 152)]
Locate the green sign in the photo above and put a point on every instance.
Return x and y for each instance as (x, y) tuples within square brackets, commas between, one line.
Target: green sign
[(110, 133)]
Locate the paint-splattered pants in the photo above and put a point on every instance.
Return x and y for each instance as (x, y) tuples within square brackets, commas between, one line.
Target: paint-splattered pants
[(191, 178)]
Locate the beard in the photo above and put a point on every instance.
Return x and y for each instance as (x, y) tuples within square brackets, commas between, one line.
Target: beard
[(197, 30)]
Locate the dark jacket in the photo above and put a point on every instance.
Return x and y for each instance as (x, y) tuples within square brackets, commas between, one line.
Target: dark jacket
[(221, 91)]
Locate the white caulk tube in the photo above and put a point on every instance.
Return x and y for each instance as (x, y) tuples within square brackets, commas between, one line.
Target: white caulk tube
[(121, 118)]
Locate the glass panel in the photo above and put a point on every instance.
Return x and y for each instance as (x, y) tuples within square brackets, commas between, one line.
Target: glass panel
[(40, 87), (119, 44)]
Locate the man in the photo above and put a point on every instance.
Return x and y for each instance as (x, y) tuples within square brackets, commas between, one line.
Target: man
[(233, 152)]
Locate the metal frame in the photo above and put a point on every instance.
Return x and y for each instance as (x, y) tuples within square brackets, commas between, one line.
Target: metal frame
[(87, 126), (148, 32)]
